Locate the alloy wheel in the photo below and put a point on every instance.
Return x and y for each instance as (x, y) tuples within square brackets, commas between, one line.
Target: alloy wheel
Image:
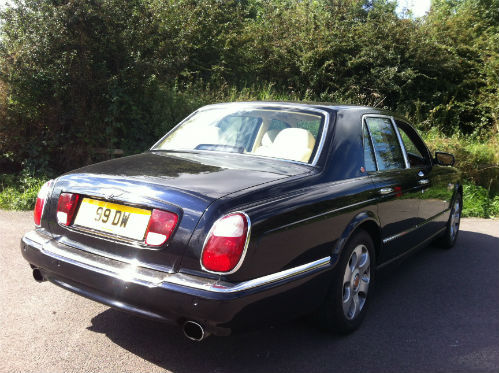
[(356, 282)]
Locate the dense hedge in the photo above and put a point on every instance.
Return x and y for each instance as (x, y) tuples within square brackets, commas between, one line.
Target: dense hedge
[(76, 76)]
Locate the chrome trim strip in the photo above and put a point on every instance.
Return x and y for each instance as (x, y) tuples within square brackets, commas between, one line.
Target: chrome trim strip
[(325, 129), (278, 276), (364, 123), (135, 273), (79, 246), (36, 239), (401, 144), (398, 235), (106, 236), (127, 273), (405, 253)]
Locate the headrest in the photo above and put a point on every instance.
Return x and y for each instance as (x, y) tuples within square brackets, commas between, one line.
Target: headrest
[(294, 143), (295, 137), (269, 137)]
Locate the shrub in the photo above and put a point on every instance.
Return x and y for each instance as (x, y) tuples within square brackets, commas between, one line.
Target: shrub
[(476, 156), (477, 203), (19, 192)]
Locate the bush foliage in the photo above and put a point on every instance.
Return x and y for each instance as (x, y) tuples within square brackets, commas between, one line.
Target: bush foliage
[(78, 76), (477, 158), (19, 192), (478, 203)]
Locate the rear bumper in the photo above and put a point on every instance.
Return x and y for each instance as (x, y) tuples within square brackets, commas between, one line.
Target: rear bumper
[(220, 307)]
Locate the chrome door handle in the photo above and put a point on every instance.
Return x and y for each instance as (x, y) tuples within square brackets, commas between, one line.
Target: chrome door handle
[(421, 174), (424, 181), (385, 190)]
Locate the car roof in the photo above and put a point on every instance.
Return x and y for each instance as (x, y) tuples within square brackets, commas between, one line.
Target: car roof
[(361, 109)]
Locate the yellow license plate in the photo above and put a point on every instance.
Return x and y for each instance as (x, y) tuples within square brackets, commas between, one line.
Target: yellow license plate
[(130, 222)]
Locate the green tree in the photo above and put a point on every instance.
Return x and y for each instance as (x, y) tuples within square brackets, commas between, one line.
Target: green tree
[(81, 75)]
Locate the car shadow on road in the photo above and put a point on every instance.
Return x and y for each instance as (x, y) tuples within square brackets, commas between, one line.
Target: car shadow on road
[(411, 325)]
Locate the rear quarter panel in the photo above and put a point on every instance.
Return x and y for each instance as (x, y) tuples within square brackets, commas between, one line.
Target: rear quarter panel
[(292, 227)]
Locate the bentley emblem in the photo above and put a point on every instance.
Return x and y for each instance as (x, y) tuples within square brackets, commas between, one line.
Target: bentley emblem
[(112, 193)]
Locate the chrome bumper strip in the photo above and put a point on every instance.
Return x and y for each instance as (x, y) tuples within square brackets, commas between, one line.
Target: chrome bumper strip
[(134, 272), (89, 249)]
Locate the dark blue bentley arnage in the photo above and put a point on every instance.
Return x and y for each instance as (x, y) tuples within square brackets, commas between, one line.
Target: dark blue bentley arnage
[(248, 213)]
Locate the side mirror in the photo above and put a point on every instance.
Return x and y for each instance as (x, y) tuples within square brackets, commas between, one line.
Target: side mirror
[(444, 159)]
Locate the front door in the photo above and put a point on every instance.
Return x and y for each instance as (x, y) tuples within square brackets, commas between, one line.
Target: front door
[(437, 182)]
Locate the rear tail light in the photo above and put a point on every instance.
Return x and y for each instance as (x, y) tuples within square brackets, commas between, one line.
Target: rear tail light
[(160, 228), (226, 244), (40, 201), (66, 208)]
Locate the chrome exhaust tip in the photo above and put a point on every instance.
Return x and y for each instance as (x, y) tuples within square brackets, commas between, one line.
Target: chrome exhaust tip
[(194, 331), (38, 276)]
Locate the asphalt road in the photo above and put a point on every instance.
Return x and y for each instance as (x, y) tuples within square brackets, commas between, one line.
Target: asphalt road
[(438, 311)]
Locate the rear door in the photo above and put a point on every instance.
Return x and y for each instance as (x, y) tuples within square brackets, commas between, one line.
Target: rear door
[(396, 183)]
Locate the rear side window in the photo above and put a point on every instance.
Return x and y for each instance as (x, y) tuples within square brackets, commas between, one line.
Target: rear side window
[(369, 160), (386, 145)]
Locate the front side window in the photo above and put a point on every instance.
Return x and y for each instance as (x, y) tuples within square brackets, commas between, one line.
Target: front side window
[(277, 133), (417, 154), (386, 145)]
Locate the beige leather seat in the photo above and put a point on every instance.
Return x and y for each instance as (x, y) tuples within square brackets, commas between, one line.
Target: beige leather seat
[(295, 144), (267, 141)]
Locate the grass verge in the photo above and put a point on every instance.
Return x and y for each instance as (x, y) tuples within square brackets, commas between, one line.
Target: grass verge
[(477, 202)]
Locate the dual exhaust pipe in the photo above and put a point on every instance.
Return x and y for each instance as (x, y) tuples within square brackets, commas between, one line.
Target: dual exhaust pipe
[(192, 330), (38, 276)]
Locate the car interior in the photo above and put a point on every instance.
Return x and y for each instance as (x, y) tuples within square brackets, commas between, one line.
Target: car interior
[(278, 136)]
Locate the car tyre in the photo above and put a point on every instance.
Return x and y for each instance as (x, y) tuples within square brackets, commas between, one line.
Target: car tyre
[(449, 238), (347, 301)]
